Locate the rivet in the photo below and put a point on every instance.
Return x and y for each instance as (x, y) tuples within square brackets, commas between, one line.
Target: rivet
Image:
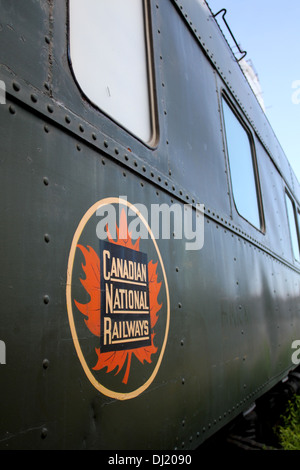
[(33, 98), (16, 86), (46, 363), (44, 433), (46, 181), (12, 109), (47, 238), (46, 299), (50, 108)]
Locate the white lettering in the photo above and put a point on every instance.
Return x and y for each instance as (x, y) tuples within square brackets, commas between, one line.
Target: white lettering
[(2, 92), (109, 298), (166, 222), (198, 234), (107, 330), (106, 221), (296, 354), (134, 329), (2, 352), (106, 254), (165, 211), (121, 269), (175, 459), (136, 227), (118, 460)]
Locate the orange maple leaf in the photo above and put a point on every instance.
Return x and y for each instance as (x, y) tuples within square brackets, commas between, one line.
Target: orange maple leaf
[(92, 285), (92, 310)]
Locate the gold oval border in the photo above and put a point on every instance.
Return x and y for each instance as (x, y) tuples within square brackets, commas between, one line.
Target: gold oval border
[(82, 224)]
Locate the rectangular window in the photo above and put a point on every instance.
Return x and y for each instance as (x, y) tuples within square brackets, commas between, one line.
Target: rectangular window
[(242, 170), (109, 56), (293, 226)]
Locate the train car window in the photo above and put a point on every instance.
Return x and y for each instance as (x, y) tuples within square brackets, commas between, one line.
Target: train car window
[(293, 226), (243, 176), (109, 57)]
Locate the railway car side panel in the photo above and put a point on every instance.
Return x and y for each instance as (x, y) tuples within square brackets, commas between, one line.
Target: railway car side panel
[(216, 323), (191, 102), (40, 214)]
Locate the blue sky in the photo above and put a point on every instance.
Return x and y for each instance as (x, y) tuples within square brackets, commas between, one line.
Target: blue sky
[(269, 30)]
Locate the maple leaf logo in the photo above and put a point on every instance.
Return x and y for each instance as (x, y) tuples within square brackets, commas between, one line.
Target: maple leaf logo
[(92, 310)]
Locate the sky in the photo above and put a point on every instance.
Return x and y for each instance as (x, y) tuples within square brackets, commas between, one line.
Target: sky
[(269, 30)]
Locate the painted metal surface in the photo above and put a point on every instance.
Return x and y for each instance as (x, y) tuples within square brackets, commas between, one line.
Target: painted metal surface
[(233, 305)]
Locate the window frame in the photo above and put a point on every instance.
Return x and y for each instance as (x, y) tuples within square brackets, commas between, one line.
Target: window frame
[(151, 80), (296, 214), (242, 120)]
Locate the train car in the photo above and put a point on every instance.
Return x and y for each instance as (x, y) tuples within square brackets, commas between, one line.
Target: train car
[(149, 229)]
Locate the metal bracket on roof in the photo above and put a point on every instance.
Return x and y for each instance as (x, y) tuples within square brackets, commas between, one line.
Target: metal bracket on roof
[(224, 11)]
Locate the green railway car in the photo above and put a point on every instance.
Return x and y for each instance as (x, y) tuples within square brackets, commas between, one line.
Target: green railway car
[(149, 229)]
